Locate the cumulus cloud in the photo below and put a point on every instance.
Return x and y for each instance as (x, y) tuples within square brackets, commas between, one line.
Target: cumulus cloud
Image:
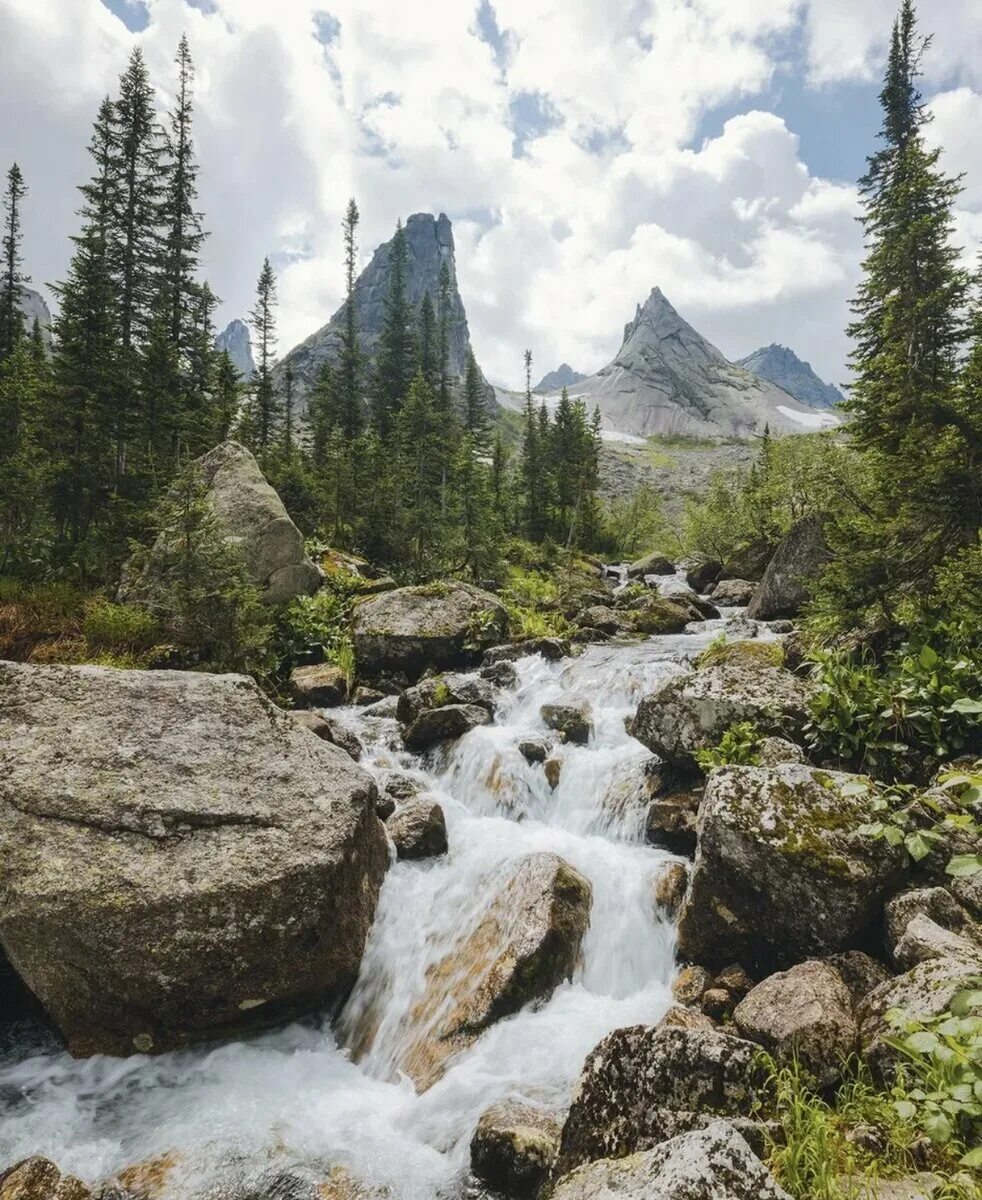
[(560, 136)]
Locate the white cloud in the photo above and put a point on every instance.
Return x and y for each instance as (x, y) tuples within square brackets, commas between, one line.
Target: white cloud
[(408, 109)]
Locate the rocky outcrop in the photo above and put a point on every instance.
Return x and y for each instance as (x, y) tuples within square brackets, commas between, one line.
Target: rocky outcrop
[(666, 378), (184, 812), (714, 1163), (554, 381), (782, 870), (525, 944), (513, 1149), (418, 829), (438, 625), (692, 712), (35, 308), (796, 563), (643, 1084), (804, 1014), (235, 340), (251, 516), (783, 367)]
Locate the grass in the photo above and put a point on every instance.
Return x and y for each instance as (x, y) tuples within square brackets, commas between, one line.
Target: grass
[(751, 653)]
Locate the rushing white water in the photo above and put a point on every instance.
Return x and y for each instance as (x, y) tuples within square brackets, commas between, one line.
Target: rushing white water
[(296, 1095)]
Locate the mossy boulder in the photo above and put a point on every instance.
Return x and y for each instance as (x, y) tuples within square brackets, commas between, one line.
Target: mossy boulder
[(650, 564), (654, 615), (782, 870), (441, 690), (796, 564), (514, 1147), (754, 653)]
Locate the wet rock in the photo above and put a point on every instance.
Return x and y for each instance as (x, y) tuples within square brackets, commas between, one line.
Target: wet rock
[(735, 979), (936, 903), (514, 1147), (655, 615), (782, 871), (442, 724), (535, 750), (637, 1077), (924, 939), (439, 625), (553, 769), (692, 712), (923, 992), (670, 884), (671, 822), (441, 690), (700, 576), (418, 829), (738, 628), (39, 1179), (860, 972), (146, 1180), (574, 720), (651, 564), (182, 811), (300, 1183), (714, 1163), (526, 943), (796, 563), (552, 649), (679, 1017), (252, 517), (697, 608), (606, 619), (733, 593), (690, 983), (805, 1013), (364, 696), (502, 674), (320, 686), (781, 626)]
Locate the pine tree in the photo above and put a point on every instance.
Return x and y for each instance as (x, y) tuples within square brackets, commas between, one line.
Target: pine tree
[(426, 340), (11, 284), (420, 437), (394, 363), (349, 362), (228, 392), (534, 518), (443, 314), (265, 407), (476, 420)]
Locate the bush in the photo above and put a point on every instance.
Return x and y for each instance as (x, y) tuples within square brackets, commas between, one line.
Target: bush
[(321, 624), (531, 601), (119, 626), (738, 747)]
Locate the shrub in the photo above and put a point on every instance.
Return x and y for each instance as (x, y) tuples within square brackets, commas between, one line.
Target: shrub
[(119, 626), (319, 623), (738, 746), (531, 600)]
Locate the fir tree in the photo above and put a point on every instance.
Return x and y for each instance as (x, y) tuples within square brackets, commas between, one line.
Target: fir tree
[(426, 340), (532, 461), (265, 414), (228, 392), (11, 284), (394, 363), (476, 419), (443, 313), (349, 362), (23, 463)]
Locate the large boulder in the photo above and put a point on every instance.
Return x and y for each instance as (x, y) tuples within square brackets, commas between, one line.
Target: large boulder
[(251, 516), (525, 944), (782, 869), (710, 1163), (733, 593), (650, 564), (701, 575), (797, 561), (642, 1084), (436, 625), (713, 1163), (514, 1147), (655, 615), (805, 1013), (693, 711), (440, 690), (182, 860), (443, 724), (321, 685)]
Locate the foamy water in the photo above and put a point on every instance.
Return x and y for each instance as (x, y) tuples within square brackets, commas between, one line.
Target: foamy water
[(295, 1096)]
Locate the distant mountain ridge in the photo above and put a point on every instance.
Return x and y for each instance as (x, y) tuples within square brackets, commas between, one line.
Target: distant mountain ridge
[(563, 377), (668, 379), (782, 366), (236, 340)]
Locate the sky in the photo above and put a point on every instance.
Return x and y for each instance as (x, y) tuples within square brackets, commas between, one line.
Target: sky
[(585, 150)]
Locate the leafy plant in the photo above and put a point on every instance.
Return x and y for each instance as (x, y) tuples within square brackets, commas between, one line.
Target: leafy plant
[(119, 626), (321, 624), (739, 746), (531, 599)]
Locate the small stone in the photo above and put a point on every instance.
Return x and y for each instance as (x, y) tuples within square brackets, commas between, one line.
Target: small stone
[(671, 822), (773, 751), (717, 1003), (320, 686), (679, 1017), (574, 720), (735, 979), (670, 885), (418, 829), (550, 648), (363, 696), (535, 750), (502, 674), (690, 983), (513, 1149), (552, 768)]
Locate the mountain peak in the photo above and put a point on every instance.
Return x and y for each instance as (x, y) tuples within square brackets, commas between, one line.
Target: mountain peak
[(782, 366), (554, 381), (236, 340)]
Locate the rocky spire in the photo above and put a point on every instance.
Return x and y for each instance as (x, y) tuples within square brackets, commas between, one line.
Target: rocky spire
[(235, 339), (783, 367)]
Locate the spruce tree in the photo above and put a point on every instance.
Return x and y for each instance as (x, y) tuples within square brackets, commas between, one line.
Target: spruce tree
[(394, 362), (11, 284), (349, 374), (227, 395), (534, 517), (476, 420), (426, 340), (265, 407), (23, 462), (443, 314)]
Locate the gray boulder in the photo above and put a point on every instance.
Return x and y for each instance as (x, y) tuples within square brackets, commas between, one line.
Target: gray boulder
[(437, 625), (733, 593), (252, 517), (924, 939), (552, 649), (700, 576), (440, 690), (713, 1163), (185, 813), (604, 618), (860, 972), (782, 871), (514, 1147), (797, 561), (936, 903), (692, 712), (651, 564), (805, 1013), (418, 829), (330, 730), (443, 724), (574, 720), (642, 1084), (321, 686)]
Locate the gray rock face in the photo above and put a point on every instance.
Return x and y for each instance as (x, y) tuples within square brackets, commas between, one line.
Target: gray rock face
[(781, 870), (783, 367), (418, 829), (235, 339), (429, 244), (183, 812), (666, 378), (35, 308), (514, 1148), (796, 562), (733, 592), (805, 1013), (692, 712), (641, 1083), (714, 1163), (554, 381), (254, 519), (439, 626)]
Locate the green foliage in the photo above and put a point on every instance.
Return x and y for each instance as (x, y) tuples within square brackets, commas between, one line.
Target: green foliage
[(738, 747), (319, 623), (117, 626), (531, 600), (635, 524), (900, 718)]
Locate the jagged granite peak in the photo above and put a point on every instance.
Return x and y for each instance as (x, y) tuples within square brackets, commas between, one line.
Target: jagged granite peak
[(34, 307), (782, 366), (236, 340), (429, 244), (563, 377), (668, 379)]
